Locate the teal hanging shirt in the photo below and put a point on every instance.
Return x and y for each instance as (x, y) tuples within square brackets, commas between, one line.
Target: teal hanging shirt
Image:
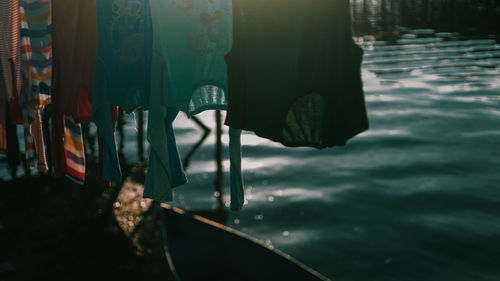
[(191, 38)]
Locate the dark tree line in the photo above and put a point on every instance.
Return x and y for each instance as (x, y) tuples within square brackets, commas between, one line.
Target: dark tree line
[(464, 16)]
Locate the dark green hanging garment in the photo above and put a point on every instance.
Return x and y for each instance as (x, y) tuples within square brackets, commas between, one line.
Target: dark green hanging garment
[(294, 72)]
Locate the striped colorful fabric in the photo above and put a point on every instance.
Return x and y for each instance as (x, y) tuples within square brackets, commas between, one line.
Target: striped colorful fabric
[(9, 52), (9, 48), (36, 65), (74, 150), (36, 52)]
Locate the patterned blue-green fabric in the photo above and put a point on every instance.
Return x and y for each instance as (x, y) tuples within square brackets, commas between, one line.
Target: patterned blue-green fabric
[(191, 38), (122, 69)]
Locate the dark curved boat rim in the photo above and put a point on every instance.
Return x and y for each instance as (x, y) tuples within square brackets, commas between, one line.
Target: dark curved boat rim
[(172, 232)]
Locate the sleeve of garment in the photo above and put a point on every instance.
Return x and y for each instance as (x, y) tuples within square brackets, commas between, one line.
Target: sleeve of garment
[(158, 184), (164, 165), (235, 177), (176, 169), (102, 117)]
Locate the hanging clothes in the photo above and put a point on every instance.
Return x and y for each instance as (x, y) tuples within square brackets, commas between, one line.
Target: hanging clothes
[(294, 72), (189, 74), (9, 52), (122, 69), (74, 37), (74, 41), (36, 70), (36, 53)]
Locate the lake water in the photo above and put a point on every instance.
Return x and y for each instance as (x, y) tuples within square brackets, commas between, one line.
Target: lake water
[(416, 197)]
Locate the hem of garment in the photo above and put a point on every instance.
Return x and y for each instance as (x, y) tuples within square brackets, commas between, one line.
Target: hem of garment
[(75, 179), (183, 108), (163, 198), (334, 142), (205, 108), (337, 142)]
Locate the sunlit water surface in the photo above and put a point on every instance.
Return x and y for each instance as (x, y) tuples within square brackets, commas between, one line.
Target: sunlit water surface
[(416, 197)]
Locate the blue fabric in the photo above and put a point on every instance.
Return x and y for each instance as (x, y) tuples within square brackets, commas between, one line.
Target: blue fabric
[(102, 117), (122, 69), (124, 45)]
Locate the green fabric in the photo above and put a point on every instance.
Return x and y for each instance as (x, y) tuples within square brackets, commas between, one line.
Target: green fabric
[(164, 165), (235, 178), (102, 117), (191, 38)]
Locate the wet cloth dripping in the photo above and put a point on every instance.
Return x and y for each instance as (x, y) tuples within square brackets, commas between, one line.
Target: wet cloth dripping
[(294, 72), (74, 41), (36, 72), (189, 72), (122, 68)]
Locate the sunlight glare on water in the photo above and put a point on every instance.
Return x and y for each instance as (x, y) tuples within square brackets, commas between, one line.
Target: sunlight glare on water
[(416, 197)]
